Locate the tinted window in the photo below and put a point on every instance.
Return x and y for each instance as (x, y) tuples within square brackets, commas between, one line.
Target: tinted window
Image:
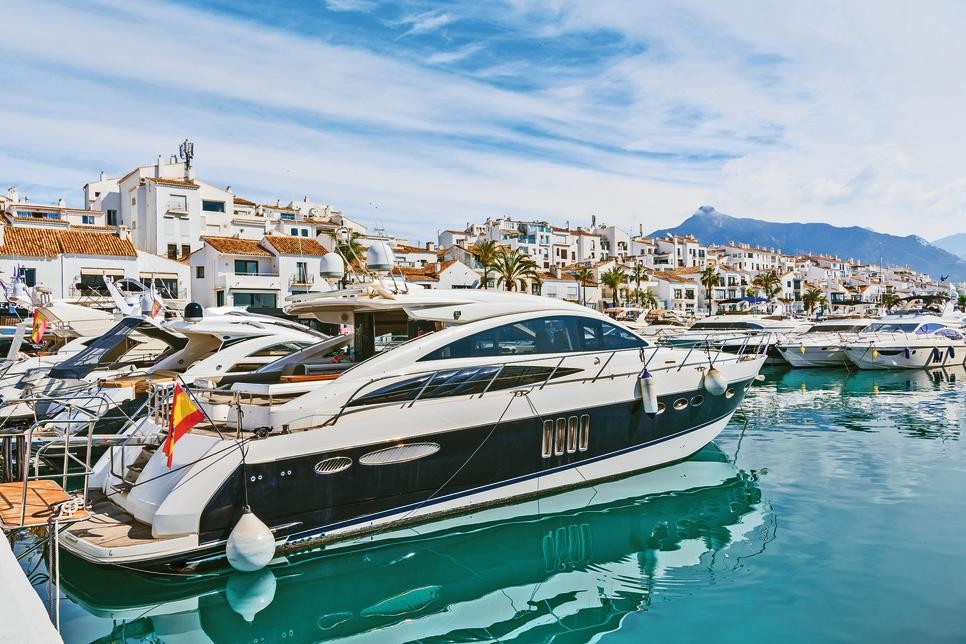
[(557, 334)]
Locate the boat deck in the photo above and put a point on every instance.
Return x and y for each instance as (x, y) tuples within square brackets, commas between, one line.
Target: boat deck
[(109, 526), (43, 495)]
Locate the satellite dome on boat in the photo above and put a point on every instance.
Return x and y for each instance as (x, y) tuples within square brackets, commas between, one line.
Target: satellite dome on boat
[(379, 258), (333, 266), (193, 312)]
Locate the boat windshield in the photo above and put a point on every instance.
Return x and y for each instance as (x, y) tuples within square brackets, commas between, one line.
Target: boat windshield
[(726, 326), (837, 328), (892, 327)]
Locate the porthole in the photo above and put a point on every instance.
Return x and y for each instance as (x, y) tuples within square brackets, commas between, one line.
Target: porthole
[(696, 401), (572, 435), (680, 403), (730, 393), (399, 454), (547, 449), (333, 465), (584, 433), (558, 447), (660, 408)]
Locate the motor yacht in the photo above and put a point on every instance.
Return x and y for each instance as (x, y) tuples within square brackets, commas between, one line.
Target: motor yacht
[(907, 341), (822, 344), (494, 398), (734, 332)]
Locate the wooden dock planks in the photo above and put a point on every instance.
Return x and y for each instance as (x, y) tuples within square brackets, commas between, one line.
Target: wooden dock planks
[(42, 496)]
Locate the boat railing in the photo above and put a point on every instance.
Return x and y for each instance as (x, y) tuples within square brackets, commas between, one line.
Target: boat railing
[(705, 356)]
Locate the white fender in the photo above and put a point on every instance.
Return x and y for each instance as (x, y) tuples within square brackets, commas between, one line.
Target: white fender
[(251, 545), (648, 392), (714, 382)]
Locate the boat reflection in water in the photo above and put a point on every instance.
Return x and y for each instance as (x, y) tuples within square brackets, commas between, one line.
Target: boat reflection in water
[(864, 382), (569, 565)]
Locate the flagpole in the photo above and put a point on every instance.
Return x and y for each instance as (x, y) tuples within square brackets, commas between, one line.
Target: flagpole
[(198, 404)]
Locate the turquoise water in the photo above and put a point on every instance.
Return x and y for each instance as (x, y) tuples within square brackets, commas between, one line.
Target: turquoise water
[(830, 509)]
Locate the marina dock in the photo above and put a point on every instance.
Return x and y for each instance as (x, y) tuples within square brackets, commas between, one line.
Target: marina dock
[(22, 612)]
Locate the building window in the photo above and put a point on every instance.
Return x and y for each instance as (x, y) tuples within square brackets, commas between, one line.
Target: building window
[(172, 251), (305, 232), (212, 206), (301, 272), (246, 267), (112, 218), (219, 298), (200, 272), (255, 300), (287, 216), (294, 232), (87, 220), (29, 276), (185, 250)]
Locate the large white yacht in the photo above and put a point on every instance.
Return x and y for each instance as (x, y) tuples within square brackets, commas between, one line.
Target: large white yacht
[(913, 341), (495, 397), (822, 344), (735, 332)]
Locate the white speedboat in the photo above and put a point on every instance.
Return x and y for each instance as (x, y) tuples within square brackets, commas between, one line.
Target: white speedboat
[(496, 397), (907, 341), (822, 344)]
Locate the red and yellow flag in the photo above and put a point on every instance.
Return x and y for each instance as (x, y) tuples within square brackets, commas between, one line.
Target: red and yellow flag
[(155, 308), (40, 325), (184, 416)]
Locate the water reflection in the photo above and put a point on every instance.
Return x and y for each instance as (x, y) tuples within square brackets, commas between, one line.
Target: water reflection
[(918, 403), (565, 567)]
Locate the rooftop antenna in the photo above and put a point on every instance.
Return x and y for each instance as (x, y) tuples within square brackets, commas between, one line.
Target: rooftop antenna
[(186, 152)]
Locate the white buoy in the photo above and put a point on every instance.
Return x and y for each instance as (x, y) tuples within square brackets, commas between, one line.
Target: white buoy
[(251, 545), (248, 593), (714, 382), (648, 392)]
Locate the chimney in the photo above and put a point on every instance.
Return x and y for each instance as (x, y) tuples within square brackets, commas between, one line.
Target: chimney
[(12, 194), (61, 203), (102, 176), (640, 230), (305, 199), (593, 220), (431, 246), (174, 159), (122, 232), (555, 271), (157, 168)]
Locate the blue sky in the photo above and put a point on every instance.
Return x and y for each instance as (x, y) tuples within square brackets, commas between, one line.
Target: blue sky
[(419, 116)]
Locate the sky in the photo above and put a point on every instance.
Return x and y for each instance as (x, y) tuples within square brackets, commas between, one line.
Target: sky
[(417, 116)]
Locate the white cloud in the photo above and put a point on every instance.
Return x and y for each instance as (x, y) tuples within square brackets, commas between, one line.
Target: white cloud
[(730, 106), (362, 6)]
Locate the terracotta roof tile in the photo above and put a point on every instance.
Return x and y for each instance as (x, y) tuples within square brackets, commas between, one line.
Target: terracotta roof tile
[(243, 202), (295, 245), (179, 183), (236, 246), (41, 242)]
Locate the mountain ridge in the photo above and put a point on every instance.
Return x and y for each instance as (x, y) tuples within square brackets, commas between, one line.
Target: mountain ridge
[(713, 227), (955, 244)]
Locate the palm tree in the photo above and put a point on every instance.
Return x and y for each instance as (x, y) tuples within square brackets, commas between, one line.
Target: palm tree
[(768, 283), (351, 250), (584, 276), (513, 268), (486, 251), (638, 274), (709, 279), (962, 302), (647, 299), (612, 279), (811, 298), (890, 300)]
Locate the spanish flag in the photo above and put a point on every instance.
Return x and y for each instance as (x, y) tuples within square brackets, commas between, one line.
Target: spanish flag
[(40, 325), (155, 308), (184, 416)]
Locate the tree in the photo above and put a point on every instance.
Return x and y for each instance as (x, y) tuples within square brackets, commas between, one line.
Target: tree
[(647, 299), (709, 279), (811, 298), (513, 268), (768, 283), (962, 302), (584, 276), (638, 274), (612, 279), (486, 251), (351, 250), (890, 300)]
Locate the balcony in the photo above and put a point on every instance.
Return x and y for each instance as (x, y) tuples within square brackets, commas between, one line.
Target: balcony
[(245, 281), (177, 207), (301, 280)]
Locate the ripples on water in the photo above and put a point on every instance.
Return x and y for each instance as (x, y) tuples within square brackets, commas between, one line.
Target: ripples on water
[(829, 510)]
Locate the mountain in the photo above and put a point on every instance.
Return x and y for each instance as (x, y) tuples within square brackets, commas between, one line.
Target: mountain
[(955, 244), (713, 227)]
